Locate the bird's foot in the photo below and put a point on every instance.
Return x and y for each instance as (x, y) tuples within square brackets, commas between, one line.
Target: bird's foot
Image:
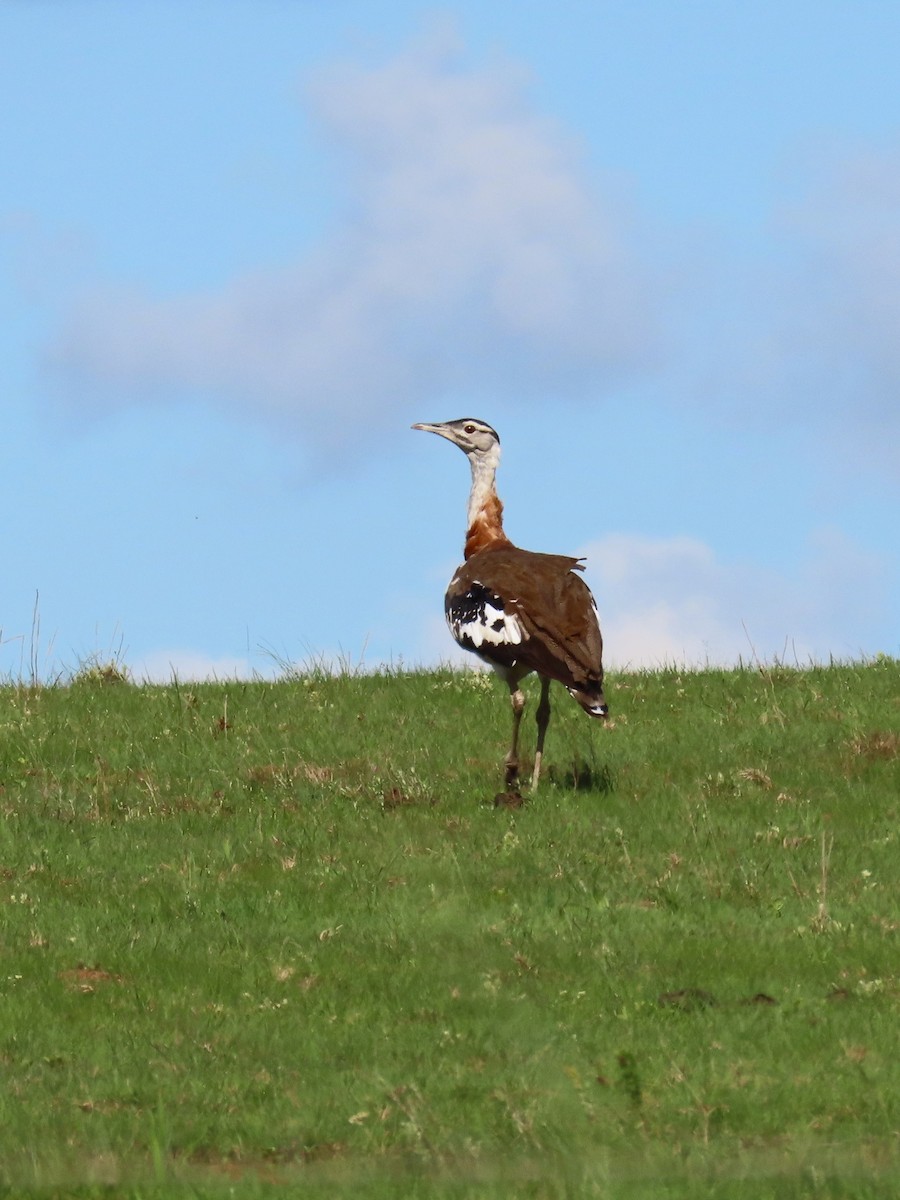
[(509, 799)]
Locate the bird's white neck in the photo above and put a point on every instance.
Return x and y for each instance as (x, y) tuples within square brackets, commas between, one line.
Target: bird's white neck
[(485, 514), (484, 474)]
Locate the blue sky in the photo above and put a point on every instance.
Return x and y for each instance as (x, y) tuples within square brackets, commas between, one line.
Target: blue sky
[(243, 246)]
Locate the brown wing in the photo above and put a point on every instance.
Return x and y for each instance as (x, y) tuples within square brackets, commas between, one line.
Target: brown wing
[(518, 608)]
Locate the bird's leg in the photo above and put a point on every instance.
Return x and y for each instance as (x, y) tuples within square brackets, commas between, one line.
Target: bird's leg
[(543, 720), (517, 696)]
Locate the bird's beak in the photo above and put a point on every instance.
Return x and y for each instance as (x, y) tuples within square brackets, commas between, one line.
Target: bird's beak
[(439, 429)]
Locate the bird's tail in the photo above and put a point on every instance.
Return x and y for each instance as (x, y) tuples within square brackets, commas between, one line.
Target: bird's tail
[(591, 699)]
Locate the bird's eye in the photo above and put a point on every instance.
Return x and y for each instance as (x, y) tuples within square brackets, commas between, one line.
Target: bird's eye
[(470, 429)]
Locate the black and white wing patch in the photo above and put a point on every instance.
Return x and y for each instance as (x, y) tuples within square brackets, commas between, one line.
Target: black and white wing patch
[(480, 620)]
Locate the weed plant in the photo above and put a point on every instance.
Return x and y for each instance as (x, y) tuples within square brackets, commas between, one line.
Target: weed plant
[(278, 938)]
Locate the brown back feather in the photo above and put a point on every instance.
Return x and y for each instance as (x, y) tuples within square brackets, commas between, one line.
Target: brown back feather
[(554, 605)]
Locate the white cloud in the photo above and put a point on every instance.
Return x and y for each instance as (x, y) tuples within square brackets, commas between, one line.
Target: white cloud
[(473, 251), (672, 601), (804, 338), (847, 306)]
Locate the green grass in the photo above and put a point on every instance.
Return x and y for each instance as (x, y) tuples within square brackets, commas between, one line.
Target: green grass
[(276, 937)]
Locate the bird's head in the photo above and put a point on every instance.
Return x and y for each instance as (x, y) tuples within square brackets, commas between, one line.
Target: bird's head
[(477, 440)]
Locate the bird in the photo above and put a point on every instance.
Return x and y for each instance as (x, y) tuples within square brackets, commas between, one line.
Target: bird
[(517, 610)]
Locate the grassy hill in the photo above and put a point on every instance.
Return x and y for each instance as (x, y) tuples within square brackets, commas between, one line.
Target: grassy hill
[(268, 936)]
